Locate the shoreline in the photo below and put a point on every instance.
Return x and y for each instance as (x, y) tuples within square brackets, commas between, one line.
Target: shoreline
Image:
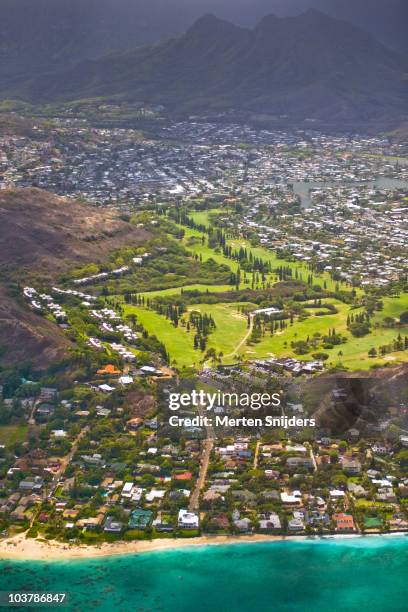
[(20, 548)]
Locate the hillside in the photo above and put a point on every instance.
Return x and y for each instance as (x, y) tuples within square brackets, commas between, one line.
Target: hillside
[(311, 67), (13, 125), (38, 35), (26, 337), (400, 134), (41, 236)]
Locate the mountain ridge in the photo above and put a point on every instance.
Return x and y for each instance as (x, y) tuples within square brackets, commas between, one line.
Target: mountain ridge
[(43, 236), (309, 67), (38, 35)]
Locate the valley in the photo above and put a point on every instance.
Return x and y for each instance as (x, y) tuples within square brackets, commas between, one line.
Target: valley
[(230, 238), (141, 263)]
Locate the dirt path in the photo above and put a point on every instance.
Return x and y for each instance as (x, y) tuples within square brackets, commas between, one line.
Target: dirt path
[(244, 339)]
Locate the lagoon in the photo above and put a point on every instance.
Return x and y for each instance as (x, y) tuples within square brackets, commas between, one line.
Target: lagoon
[(303, 188)]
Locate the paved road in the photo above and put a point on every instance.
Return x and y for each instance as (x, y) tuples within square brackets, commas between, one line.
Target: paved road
[(258, 444), (63, 466), (205, 460), (208, 444), (65, 461), (313, 458)]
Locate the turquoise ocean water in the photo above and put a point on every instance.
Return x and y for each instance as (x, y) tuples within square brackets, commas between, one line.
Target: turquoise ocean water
[(327, 575)]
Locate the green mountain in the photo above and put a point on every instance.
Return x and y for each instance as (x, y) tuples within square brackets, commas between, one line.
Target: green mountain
[(38, 35), (43, 34), (310, 67)]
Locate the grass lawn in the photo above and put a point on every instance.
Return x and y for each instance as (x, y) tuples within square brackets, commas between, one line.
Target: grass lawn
[(176, 340), (197, 247), (301, 267), (231, 329), (12, 434), (202, 216), (355, 350), (393, 307), (279, 343), (265, 254), (178, 290), (369, 504)]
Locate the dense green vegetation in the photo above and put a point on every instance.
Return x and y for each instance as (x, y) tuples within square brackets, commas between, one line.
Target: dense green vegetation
[(318, 314), (194, 296)]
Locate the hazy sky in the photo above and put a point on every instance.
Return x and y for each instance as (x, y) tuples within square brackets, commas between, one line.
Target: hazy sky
[(119, 24), (386, 19), (251, 9)]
